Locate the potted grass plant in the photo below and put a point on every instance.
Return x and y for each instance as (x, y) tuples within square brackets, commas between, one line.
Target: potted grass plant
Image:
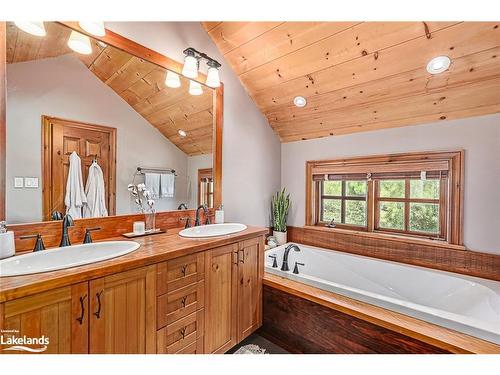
[(279, 212)]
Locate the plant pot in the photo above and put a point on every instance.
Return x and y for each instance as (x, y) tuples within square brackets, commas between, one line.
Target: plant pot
[(280, 237)]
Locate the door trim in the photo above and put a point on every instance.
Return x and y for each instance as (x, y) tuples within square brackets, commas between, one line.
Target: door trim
[(47, 148)]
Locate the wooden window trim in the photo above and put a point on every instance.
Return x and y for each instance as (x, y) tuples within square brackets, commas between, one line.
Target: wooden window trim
[(453, 161)]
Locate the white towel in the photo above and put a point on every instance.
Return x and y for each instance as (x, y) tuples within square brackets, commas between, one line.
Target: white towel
[(167, 185), (95, 191), (152, 182), (75, 197)]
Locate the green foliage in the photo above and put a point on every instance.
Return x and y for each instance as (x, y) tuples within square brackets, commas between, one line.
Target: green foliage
[(331, 210), (332, 188), (424, 217), (392, 215), (355, 188), (392, 188), (279, 209), (424, 189), (355, 212)]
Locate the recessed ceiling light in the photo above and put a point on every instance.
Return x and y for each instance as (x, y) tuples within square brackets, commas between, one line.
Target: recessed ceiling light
[(182, 133), (299, 101), (438, 64)]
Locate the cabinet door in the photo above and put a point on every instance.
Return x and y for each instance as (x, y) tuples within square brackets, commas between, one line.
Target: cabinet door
[(60, 315), (250, 271), (123, 312), (221, 298)]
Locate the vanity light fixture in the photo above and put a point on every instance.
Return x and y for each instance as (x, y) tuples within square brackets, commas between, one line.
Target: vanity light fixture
[(32, 27), (299, 101), (93, 27), (438, 64), (195, 88), (172, 80), (182, 133), (192, 63), (79, 43)]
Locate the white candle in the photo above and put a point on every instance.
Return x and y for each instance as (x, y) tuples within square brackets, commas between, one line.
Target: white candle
[(139, 227)]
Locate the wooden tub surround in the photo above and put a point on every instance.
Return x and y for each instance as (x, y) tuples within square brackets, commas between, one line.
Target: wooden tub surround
[(305, 319), (172, 295)]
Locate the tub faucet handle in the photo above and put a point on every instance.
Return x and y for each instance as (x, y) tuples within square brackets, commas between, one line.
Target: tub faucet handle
[(296, 268), (275, 261)]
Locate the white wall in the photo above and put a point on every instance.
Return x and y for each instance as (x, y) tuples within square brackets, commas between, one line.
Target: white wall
[(64, 87), (195, 163), (478, 136), (251, 151)]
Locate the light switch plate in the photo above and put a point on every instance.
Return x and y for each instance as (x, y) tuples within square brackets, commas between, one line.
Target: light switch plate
[(31, 182), (18, 182)]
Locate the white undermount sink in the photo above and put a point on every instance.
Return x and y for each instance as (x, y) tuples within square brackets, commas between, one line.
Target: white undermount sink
[(65, 257), (212, 230)]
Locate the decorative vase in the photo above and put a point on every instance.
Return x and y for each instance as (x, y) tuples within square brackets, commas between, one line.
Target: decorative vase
[(280, 237), (150, 221)]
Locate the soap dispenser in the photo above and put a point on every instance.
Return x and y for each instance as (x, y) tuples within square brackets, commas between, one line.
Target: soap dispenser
[(219, 215), (7, 248)]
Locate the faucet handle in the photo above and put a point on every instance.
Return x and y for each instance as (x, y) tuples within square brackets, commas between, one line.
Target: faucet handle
[(296, 268), (88, 237), (275, 260), (39, 241), (187, 219)]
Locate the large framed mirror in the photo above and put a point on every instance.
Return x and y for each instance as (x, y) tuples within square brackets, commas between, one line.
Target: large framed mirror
[(122, 107)]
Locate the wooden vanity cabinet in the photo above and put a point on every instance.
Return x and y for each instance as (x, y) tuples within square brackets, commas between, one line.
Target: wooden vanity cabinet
[(60, 314), (122, 312)]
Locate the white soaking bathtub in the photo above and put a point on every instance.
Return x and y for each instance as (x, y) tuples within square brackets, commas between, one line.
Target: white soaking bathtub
[(466, 304)]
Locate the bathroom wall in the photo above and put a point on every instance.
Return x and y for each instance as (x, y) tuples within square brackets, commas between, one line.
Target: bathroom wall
[(195, 163), (251, 151), (64, 87), (478, 136)]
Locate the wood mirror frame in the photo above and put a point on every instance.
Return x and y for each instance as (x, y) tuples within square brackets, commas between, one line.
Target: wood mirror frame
[(137, 50)]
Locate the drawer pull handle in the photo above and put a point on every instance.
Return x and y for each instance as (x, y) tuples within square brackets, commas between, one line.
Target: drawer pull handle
[(242, 260), (183, 332), (82, 306), (98, 312), (183, 270), (183, 301)]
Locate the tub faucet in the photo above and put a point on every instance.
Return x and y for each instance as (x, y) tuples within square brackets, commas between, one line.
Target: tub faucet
[(284, 266), (197, 221), (67, 222)]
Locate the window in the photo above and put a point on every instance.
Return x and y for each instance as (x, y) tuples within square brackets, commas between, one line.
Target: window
[(205, 187), (412, 195)]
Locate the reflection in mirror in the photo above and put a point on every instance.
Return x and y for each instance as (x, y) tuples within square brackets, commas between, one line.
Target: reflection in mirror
[(82, 127)]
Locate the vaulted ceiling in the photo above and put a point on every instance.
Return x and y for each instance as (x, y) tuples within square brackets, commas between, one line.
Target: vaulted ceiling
[(139, 82), (361, 76)]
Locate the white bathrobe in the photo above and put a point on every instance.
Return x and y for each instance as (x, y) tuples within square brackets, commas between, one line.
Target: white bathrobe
[(75, 197), (96, 193)]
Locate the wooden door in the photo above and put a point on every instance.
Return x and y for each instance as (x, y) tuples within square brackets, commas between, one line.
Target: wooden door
[(60, 139), (250, 269), (221, 298), (123, 312), (60, 315)]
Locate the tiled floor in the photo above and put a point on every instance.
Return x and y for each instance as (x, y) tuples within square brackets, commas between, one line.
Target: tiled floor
[(255, 339)]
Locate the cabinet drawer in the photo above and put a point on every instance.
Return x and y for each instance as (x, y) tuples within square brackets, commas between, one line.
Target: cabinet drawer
[(181, 335), (180, 303), (179, 272)]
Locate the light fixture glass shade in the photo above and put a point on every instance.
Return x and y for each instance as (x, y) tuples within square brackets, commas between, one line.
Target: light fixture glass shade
[(79, 43), (182, 133), (172, 79), (438, 64), (32, 27), (190, 68), (195, 88), (93, 27), (213, 79)]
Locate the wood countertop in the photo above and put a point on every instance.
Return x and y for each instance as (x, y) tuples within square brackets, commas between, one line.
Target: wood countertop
[(154, 249)]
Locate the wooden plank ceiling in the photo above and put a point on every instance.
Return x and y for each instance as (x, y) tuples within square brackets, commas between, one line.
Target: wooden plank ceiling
[(140, 83), (361, 76)]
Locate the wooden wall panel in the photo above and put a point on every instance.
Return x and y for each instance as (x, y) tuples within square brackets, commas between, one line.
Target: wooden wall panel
[(302, 326), (362, 76), (437, 256), (3, 125)]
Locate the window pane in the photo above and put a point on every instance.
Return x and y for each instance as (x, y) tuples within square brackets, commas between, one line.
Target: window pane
[(392, 215), (355, 212), (332, 188), (424, 217), (355, 188), (392, 188), (424, 189), (331, 209)]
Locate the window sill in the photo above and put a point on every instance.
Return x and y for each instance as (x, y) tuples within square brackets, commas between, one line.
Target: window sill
[(389, 237)]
